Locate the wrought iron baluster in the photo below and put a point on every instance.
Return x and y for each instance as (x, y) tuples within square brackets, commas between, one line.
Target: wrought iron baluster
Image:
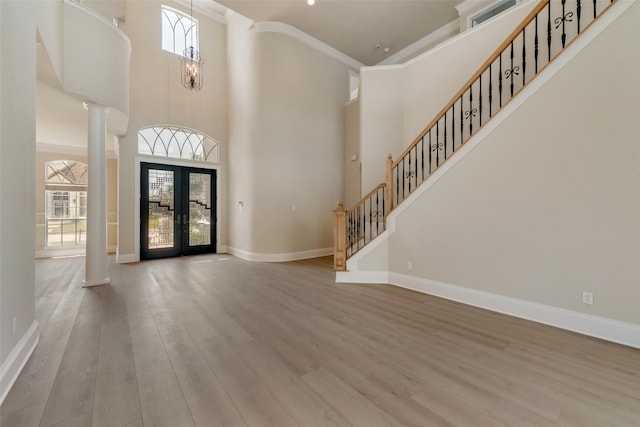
[(358, 227), (422, 156), (403, 179), (480, 100), (370, 219), (461, 122), (437, 144), (397, 184), (490, 90), (349, 232), (535, 44), (594, 9), (511, 71), (409, 173), (524, 58), (500, 80), (470, 109), (377, 209), (564, 33), (415, 173), (549, 30), (578, 13), (453, 126), (444, 123), (430, 168), (384, 209)]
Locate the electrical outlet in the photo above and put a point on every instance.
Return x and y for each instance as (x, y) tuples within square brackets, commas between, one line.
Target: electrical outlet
[(587, 298), (13, 326), (409, 265)]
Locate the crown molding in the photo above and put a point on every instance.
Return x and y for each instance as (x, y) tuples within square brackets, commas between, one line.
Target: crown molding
[(209, 8), (295, 33), (430, 40)]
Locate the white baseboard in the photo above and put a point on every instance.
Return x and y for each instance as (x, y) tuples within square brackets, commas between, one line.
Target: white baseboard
[(126, 258), (16, 360), (586, 324), (281, 257), (372, 277), (49, 252)]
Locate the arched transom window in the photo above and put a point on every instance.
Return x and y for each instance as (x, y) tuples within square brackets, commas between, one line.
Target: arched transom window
[(179, 31), (177, 143)]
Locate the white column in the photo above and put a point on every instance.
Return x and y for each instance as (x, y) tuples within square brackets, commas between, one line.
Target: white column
[(96, 257)]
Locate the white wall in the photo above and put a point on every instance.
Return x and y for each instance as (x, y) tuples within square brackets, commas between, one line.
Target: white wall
[(50, 30), (17, 186), (241, 113), (98, 75), (286, 145), (158, 98), (352, 190), (546, 206), (397, 102)]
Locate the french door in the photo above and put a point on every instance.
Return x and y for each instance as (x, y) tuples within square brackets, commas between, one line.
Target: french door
[(177, 211)]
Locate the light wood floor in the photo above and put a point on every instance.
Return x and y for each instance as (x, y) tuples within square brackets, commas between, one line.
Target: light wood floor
[(213, 340)]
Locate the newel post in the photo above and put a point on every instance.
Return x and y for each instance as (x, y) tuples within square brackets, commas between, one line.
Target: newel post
[(339, 238), (389, 184)]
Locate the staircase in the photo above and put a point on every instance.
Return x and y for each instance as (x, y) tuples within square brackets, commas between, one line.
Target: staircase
[(543, 35)]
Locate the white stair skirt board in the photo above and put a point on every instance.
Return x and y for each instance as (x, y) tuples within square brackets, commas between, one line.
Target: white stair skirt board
[(281, 257), (586, 324), (18, 357)]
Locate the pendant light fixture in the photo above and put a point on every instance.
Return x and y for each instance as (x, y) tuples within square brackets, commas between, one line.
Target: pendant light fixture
[(191, 63)]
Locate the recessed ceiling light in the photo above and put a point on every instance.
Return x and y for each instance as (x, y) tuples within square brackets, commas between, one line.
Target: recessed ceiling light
[(311, 2)]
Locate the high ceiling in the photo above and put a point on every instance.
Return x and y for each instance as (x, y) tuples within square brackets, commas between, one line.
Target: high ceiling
[(355, 27), (361, 29)]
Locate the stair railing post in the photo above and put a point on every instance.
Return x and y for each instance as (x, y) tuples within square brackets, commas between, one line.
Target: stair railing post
[(339, 238), (389, 185)]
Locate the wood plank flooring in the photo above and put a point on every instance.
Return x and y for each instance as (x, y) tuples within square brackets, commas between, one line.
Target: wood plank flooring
[(213, 340)]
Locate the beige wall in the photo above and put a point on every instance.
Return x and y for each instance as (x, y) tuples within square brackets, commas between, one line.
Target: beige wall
[(286, 144), (352, 182), (112, 201), (17, 177), (158, 98), (547, 206)]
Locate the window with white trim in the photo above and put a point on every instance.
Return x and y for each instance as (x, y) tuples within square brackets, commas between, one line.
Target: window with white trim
[(65, 202), (179, 31)]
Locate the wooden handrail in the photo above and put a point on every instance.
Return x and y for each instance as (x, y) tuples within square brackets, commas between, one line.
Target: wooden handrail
[(496, 54), (363, 200), (527, 20)]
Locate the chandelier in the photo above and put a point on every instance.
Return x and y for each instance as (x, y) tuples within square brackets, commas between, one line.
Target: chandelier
[(191, 63)]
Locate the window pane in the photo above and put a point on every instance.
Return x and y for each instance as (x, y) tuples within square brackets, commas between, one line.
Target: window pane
[(66, 213), (177, 143), (179, 31)]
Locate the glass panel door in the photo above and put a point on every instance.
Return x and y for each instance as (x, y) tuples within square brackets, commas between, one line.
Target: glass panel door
[(199, 206), (177, 211)]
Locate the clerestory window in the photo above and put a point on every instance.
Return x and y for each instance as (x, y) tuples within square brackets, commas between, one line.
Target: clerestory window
[(179, 31)]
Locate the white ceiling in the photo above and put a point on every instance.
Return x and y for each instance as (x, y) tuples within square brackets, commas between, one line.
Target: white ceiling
[(355, 27)]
